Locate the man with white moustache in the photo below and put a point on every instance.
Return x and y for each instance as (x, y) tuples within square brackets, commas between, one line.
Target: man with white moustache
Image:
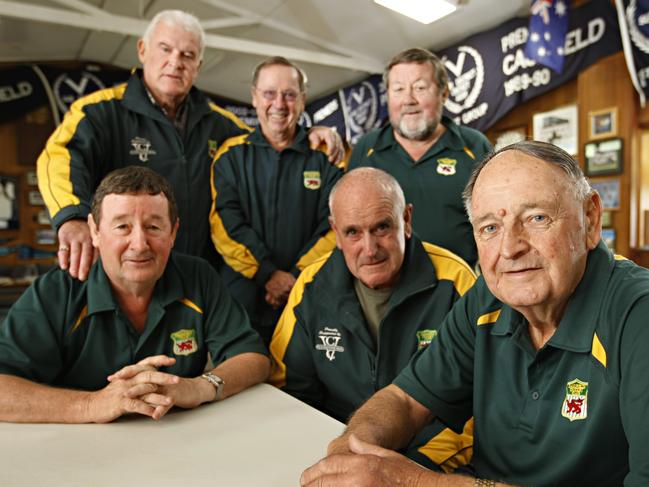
[(427, 153)]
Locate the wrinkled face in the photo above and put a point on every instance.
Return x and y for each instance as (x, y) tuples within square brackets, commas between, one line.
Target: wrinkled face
[(415, 103), (532, 234), (278, 101), (134, 238), (170, 62), (371, 235)]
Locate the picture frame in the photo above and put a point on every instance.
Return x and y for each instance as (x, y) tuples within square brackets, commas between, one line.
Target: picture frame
[(602, 124), (609, 191), (609, 237), (603, 157), (558, 127), (9, 216), (509, 136)]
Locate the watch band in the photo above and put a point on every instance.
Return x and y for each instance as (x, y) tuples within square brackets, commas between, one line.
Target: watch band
[(484, 483), (217, 382)]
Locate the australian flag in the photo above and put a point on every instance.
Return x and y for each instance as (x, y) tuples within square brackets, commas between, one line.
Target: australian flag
[(547, 33)]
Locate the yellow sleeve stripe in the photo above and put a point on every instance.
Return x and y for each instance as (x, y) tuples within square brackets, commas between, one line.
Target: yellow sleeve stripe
[(324, 245), (53, 165), (191, 304), (450, 267), (82, 315), (370, 152), (489, 318), (598, 350), (619, 257), (286, 324), (469, 153), (450, 450), (235, 254), (230, 116)]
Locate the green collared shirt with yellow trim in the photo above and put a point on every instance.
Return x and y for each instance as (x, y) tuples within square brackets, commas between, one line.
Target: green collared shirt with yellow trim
[(325, 355), (120, 126), (73, 334), (434, 183), (575, 412)]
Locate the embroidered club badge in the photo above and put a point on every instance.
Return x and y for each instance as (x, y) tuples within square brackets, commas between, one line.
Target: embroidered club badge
[(575, 405), (312, 179), (211, 148), (184, 342), (330, 342), (424, 337), (446, 166), (142, 148)]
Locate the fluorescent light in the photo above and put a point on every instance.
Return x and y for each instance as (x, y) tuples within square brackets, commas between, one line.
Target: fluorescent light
[(424, 11)]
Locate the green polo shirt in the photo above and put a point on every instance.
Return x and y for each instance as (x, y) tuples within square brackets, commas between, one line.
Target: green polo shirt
[(575, 412), (434, 183), (324, 353), (73, 334)]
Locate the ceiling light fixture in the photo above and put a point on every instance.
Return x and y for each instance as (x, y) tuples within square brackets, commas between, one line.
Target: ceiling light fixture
[(424, 11)]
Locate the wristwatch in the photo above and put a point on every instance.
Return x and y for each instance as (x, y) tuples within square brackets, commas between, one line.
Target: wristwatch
[(217, 382)]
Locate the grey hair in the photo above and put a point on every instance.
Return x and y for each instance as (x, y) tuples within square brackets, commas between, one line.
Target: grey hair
[(544, 151), (179, 18), (280, 61), (383, 182), (418, 55)]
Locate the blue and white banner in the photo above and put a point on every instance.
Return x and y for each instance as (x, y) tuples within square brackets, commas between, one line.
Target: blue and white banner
[(547, 33), (489, 73), (634, 26)]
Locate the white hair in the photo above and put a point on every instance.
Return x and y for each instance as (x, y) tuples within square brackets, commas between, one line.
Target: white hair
[(179, 18)]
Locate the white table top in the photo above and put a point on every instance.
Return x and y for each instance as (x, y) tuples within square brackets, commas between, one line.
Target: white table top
[(260, 437)]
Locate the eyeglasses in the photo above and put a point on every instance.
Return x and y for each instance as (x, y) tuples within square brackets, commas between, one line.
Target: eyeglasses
[(271, 95)]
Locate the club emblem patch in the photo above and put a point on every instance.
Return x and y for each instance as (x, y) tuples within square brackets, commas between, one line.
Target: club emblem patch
[(575, 405), (312, 179), (424, 337), (184, 342), (329, 342), (446, 166), (142, 148), (211, 148)]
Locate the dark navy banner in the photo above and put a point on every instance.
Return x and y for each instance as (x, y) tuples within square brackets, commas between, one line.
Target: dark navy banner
[(634, 24), (490, 74), (21, 91)]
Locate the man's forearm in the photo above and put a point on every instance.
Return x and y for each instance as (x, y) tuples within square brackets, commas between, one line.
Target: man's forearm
[(242, 371), (390, 418), (24, 401)]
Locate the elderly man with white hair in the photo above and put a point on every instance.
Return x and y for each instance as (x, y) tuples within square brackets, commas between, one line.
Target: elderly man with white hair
[(158, 119)]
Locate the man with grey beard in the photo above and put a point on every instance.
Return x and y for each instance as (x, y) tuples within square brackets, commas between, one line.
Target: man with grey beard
[(427, 153)]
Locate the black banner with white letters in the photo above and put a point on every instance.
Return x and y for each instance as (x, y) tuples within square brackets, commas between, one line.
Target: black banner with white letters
[(633, 16), (490, 75)]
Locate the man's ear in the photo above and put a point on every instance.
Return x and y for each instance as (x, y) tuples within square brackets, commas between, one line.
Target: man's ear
[(141, 49), (174, 231), (407, 220), (593, 219), (94, 231), (333, 226)]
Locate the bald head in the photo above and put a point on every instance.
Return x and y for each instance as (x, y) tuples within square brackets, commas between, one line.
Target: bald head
[(367, 180), (371, 221)]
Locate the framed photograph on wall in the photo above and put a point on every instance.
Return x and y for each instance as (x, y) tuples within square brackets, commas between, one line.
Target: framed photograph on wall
[(509, 136), (559, 127), (603, 157), (8, 203), (608, 236), (602, 123), (609, 191)]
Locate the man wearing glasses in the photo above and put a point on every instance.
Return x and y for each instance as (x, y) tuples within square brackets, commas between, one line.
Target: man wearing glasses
[(270, 192)]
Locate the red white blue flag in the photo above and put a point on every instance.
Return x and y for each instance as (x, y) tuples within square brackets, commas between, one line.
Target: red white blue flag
[(547, 33)]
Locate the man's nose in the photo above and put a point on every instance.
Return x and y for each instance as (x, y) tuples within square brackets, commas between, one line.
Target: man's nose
[(138, 240), (369, 245), (514, 242)]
